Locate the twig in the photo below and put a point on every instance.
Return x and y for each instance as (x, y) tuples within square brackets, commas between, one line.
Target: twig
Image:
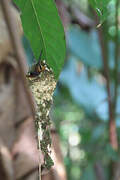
[(39, 147), (104, 51), (116, 58), (80, 18), (112, 125), (16, 43)]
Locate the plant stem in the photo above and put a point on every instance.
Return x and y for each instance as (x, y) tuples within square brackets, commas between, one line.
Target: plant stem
[(116, 58), (112, 125), (39, 147)]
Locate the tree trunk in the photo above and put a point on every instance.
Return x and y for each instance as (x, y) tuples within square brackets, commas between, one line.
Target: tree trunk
[(18, 147)]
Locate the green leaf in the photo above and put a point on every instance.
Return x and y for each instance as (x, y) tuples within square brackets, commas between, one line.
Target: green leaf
[(101, 7), (43, 28)]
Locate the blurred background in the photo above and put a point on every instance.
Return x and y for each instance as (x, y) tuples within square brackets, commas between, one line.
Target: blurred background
[(83, 106), (86, 108)]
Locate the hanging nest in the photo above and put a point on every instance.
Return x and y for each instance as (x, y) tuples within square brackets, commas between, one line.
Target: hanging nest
[(42, 88)]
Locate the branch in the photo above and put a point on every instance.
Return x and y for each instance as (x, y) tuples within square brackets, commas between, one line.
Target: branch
[(72, 14), (81, 19), (112, 125), (116, 57), (16, 43)]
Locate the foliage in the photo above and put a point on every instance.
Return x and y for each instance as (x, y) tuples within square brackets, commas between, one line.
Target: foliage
[(80, 100), (43, 28), (101, 7), (81, 104)]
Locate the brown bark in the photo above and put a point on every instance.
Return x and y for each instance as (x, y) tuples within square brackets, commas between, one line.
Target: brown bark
[(18, 148)]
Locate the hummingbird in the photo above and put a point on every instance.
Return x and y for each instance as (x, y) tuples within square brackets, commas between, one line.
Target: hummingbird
[(36, 68)]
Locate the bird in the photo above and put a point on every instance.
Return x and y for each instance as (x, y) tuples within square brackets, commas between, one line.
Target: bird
[(37, 68)]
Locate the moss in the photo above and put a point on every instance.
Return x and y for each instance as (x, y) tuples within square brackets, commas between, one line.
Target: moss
[(42, 88)]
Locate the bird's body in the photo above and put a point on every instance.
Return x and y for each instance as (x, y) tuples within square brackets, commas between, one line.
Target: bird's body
[(37, 68)]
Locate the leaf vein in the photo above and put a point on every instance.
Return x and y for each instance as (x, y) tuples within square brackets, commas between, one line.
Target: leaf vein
[(39, 26)]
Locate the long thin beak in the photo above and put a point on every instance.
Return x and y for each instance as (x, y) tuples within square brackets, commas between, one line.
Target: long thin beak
[(40, 56)]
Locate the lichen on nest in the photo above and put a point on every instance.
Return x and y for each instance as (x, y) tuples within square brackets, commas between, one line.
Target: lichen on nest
[(42, 88)]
